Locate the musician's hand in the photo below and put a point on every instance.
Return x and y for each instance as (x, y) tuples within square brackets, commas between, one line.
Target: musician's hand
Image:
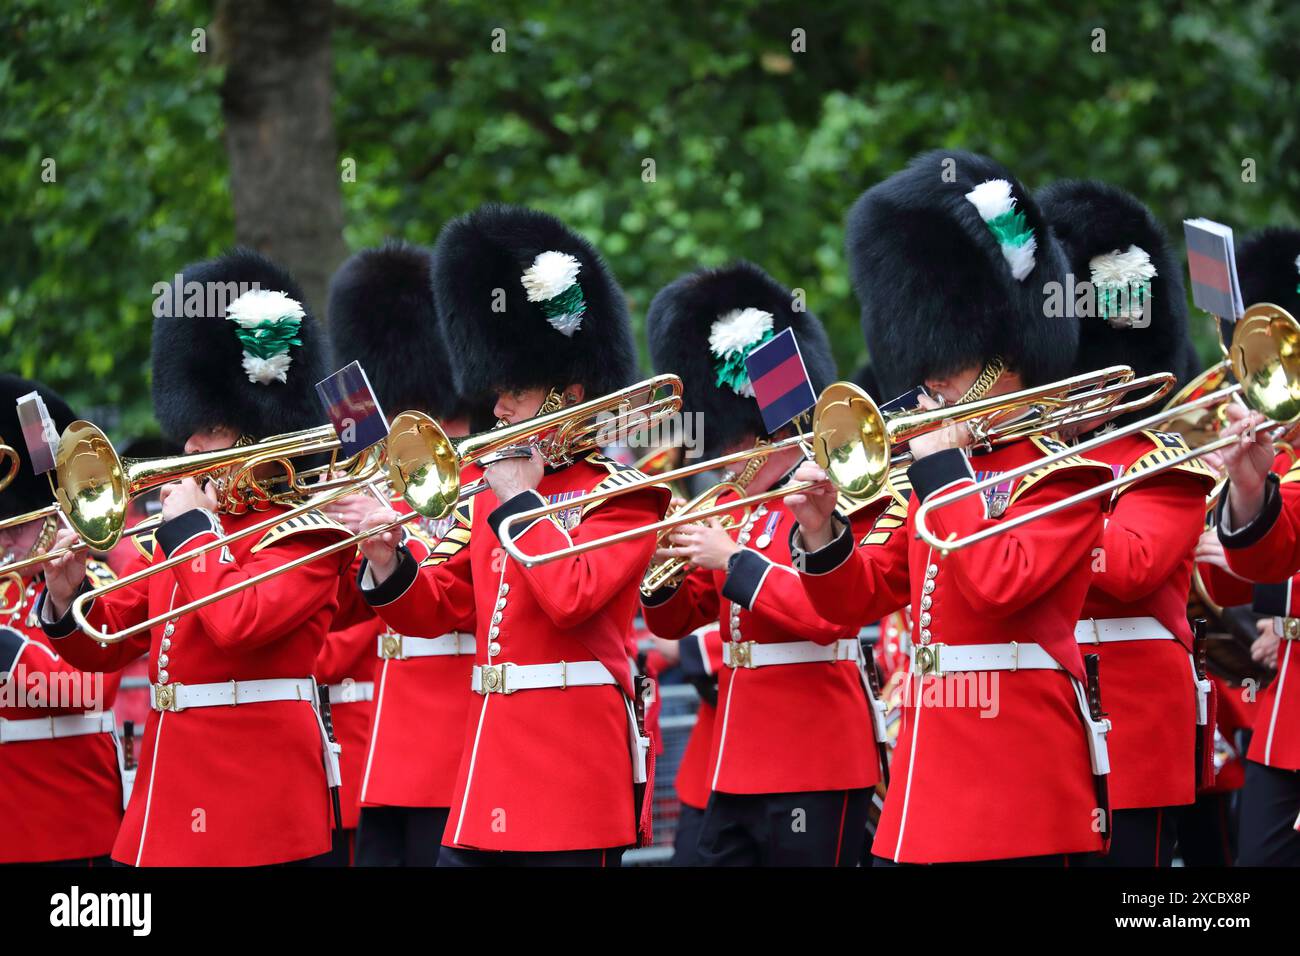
[(351, 510), (178, 497), (953, 435), (1248, 461), (1264, 649), (63, 576), (1209, 550), (514, 476), (381, 550), (706, 546), (812, 508)]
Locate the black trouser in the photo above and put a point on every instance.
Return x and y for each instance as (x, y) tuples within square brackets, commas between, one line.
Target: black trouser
[(339, 853), (1207, 830), (1144, 836), (1270, 803), (400, 836), (686, 842), (815, 828), (457, 857), (1058, 860), (81, 861)]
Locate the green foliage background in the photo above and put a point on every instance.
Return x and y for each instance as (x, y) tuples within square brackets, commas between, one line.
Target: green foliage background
[(758, 150)]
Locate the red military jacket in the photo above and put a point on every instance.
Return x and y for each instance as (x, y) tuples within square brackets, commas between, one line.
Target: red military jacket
[(1267, 550), (347, 662), (422, 704), (784, 728), (544, 768), (701, 662), (60, 799), (224, 786), (996, 765), (1145, 570)]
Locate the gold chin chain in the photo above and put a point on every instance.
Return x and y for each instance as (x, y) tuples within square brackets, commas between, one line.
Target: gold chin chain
[(988, 375), (49, 531)]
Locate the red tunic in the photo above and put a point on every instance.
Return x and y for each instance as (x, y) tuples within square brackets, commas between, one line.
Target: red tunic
[(784, 728), (1002, 771), (225, 786), (1144, 570), (696, 768), (347, 659), (60, 799), (546, 768), (422, 704)]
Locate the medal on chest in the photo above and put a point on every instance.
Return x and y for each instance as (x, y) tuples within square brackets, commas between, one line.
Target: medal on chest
[(997, 498), (566, 518), (765, 536)]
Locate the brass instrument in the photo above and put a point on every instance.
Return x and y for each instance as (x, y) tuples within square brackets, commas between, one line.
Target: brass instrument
[(856, 444), (10, 579), (9, 456), (95, 485), (1265, 357), (424, 468)]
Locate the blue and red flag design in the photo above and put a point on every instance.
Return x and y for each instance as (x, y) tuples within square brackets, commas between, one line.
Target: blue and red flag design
[(780, 380), (39, 433), (1210, 262), (353, 409)]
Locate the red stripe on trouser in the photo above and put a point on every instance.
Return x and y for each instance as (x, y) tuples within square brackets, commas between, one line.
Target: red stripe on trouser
[(844, 810)]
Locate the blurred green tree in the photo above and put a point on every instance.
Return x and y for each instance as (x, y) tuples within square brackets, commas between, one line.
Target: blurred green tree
[(674, 134)]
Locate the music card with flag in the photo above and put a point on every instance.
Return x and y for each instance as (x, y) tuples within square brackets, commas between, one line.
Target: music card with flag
[(1213, 265), (39, 432), (780, 380), (353, 408)]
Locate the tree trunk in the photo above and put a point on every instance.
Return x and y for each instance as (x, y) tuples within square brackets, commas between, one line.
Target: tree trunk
[(277, 99)]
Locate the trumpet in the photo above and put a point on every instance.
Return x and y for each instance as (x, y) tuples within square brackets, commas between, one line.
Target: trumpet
[(9, 456), (95, 485), (857, 444), (423, 466), (1265, 358)]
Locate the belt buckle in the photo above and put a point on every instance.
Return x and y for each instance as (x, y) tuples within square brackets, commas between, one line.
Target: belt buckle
[(1291, 628), (742, 654), (927, 660), (391, 646), (492, 679), (165, 697), (1096, 631)]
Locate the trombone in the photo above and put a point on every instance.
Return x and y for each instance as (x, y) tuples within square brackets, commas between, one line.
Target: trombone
[(424, 467), (1265, 358), (857, 445), (8, 455)]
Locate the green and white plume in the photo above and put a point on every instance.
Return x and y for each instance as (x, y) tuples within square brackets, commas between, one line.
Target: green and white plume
[(997, 207), (552, 282), (1122, 282), (733, 336), (268, 324), (1297, 269)]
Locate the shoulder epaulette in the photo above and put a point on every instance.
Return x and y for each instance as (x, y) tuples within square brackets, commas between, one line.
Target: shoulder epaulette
[(311, 521), (100, 573), (1166, 446), (1292, 473), (897, 488), (890, 520), (619, 475), (1050, 446)]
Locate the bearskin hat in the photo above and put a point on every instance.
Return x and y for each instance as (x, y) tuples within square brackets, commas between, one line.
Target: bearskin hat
[(952, 261), (28, 490), (1268, 268), (1113, 241), (237, 347), (382, 314), (528, 303), (703, 324), (864, 377)]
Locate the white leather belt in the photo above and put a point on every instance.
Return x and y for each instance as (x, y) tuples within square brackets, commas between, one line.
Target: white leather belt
[(939, 659), (178, 697), (1110, 629), (508, 678), (53, 728), (399, 647), (352, 692), (750, 654)]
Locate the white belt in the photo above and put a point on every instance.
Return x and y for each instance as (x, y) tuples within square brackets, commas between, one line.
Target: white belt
[(939, 659), (352, 692), (399, 647), (508, 678), (1110, 629), (751, 654), (53, 728), (178, 697)]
